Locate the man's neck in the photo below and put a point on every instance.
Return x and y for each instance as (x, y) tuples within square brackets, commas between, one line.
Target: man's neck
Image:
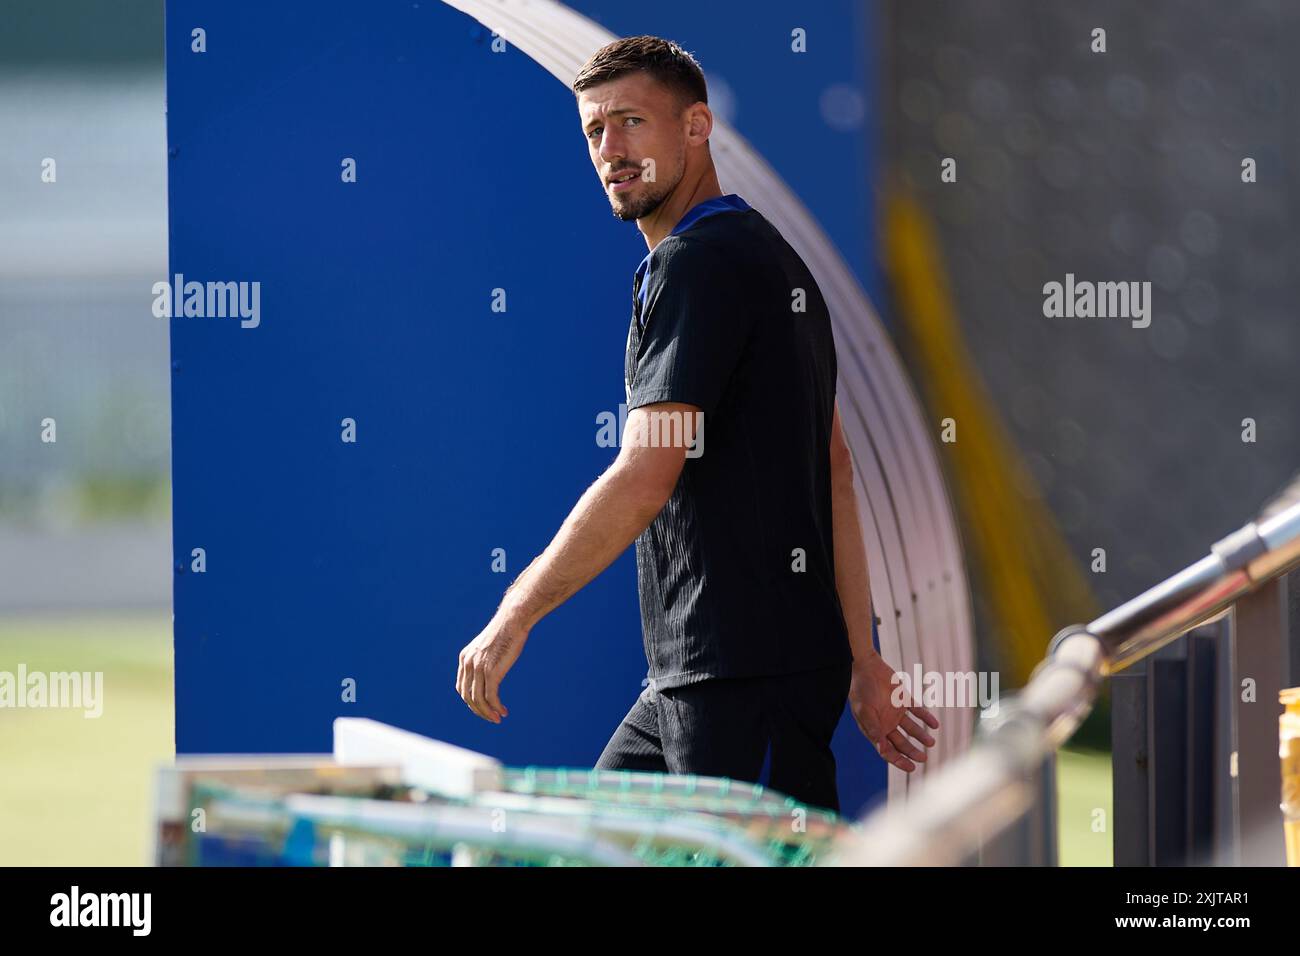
[(656, 226)]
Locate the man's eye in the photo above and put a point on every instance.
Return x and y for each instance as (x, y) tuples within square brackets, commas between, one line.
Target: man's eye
[(632, 119), (595, 132)]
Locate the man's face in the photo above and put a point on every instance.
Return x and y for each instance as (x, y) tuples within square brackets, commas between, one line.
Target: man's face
[(636, 136)]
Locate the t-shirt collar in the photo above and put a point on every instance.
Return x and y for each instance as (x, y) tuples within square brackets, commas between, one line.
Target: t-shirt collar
[(729, 202)]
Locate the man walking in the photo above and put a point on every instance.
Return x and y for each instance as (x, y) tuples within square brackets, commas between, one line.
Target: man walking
[(733, 477)]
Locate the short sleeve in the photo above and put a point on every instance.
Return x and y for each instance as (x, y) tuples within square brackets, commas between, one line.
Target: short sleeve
[(696, 327)]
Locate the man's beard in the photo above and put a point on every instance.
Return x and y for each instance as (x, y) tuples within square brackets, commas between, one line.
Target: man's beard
[(641, 206)]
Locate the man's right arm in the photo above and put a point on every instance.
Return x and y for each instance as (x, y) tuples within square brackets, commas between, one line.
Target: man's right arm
[(608, 517)]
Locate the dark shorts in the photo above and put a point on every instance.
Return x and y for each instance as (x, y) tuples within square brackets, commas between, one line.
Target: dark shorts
[(731, 727)]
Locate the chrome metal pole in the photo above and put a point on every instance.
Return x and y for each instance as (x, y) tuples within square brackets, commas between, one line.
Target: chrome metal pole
[(984, 791)]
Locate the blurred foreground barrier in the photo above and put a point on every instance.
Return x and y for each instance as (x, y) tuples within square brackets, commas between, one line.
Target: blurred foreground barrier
[(1289, 752), (388, 797), (1005, 778)]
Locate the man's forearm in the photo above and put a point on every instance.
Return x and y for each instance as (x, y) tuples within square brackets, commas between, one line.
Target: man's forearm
[(607, 518), (851, 576)]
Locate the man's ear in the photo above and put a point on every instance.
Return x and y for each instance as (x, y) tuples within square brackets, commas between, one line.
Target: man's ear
[(699, 123)]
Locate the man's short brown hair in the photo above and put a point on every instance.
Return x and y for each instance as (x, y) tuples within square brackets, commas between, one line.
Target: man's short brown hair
[(664, 60)]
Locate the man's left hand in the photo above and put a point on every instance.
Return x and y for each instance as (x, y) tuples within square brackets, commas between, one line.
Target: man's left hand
[(894, 728)]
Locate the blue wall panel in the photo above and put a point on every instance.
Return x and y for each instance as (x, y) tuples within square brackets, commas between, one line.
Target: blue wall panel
[(475, 429)]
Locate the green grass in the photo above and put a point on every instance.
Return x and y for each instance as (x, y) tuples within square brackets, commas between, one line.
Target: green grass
[(1083, 792), (77, 790)]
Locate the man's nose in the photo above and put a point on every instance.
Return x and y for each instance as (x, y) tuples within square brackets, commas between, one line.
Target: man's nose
[(611, 146)]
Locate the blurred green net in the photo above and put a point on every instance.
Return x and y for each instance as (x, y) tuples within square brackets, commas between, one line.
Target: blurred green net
[(537, 817)]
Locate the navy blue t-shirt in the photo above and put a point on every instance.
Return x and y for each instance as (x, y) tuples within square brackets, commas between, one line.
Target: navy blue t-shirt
[(737, 574)]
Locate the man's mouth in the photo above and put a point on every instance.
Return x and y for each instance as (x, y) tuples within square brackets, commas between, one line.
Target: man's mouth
[(624, 181)]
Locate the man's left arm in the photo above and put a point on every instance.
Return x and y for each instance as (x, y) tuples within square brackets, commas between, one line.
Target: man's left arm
[(888, 720), (851, 577)]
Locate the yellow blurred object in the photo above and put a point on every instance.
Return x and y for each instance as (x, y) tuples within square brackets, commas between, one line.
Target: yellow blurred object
[(1031, 579), (1289, 751)]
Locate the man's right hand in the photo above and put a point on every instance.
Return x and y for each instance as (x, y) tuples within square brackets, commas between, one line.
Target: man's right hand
[(484, 662)]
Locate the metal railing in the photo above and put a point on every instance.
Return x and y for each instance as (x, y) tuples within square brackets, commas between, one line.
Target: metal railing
[(974, 799)]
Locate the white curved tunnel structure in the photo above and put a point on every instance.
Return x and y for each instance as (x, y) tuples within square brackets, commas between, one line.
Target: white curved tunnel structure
[(918, 577)]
